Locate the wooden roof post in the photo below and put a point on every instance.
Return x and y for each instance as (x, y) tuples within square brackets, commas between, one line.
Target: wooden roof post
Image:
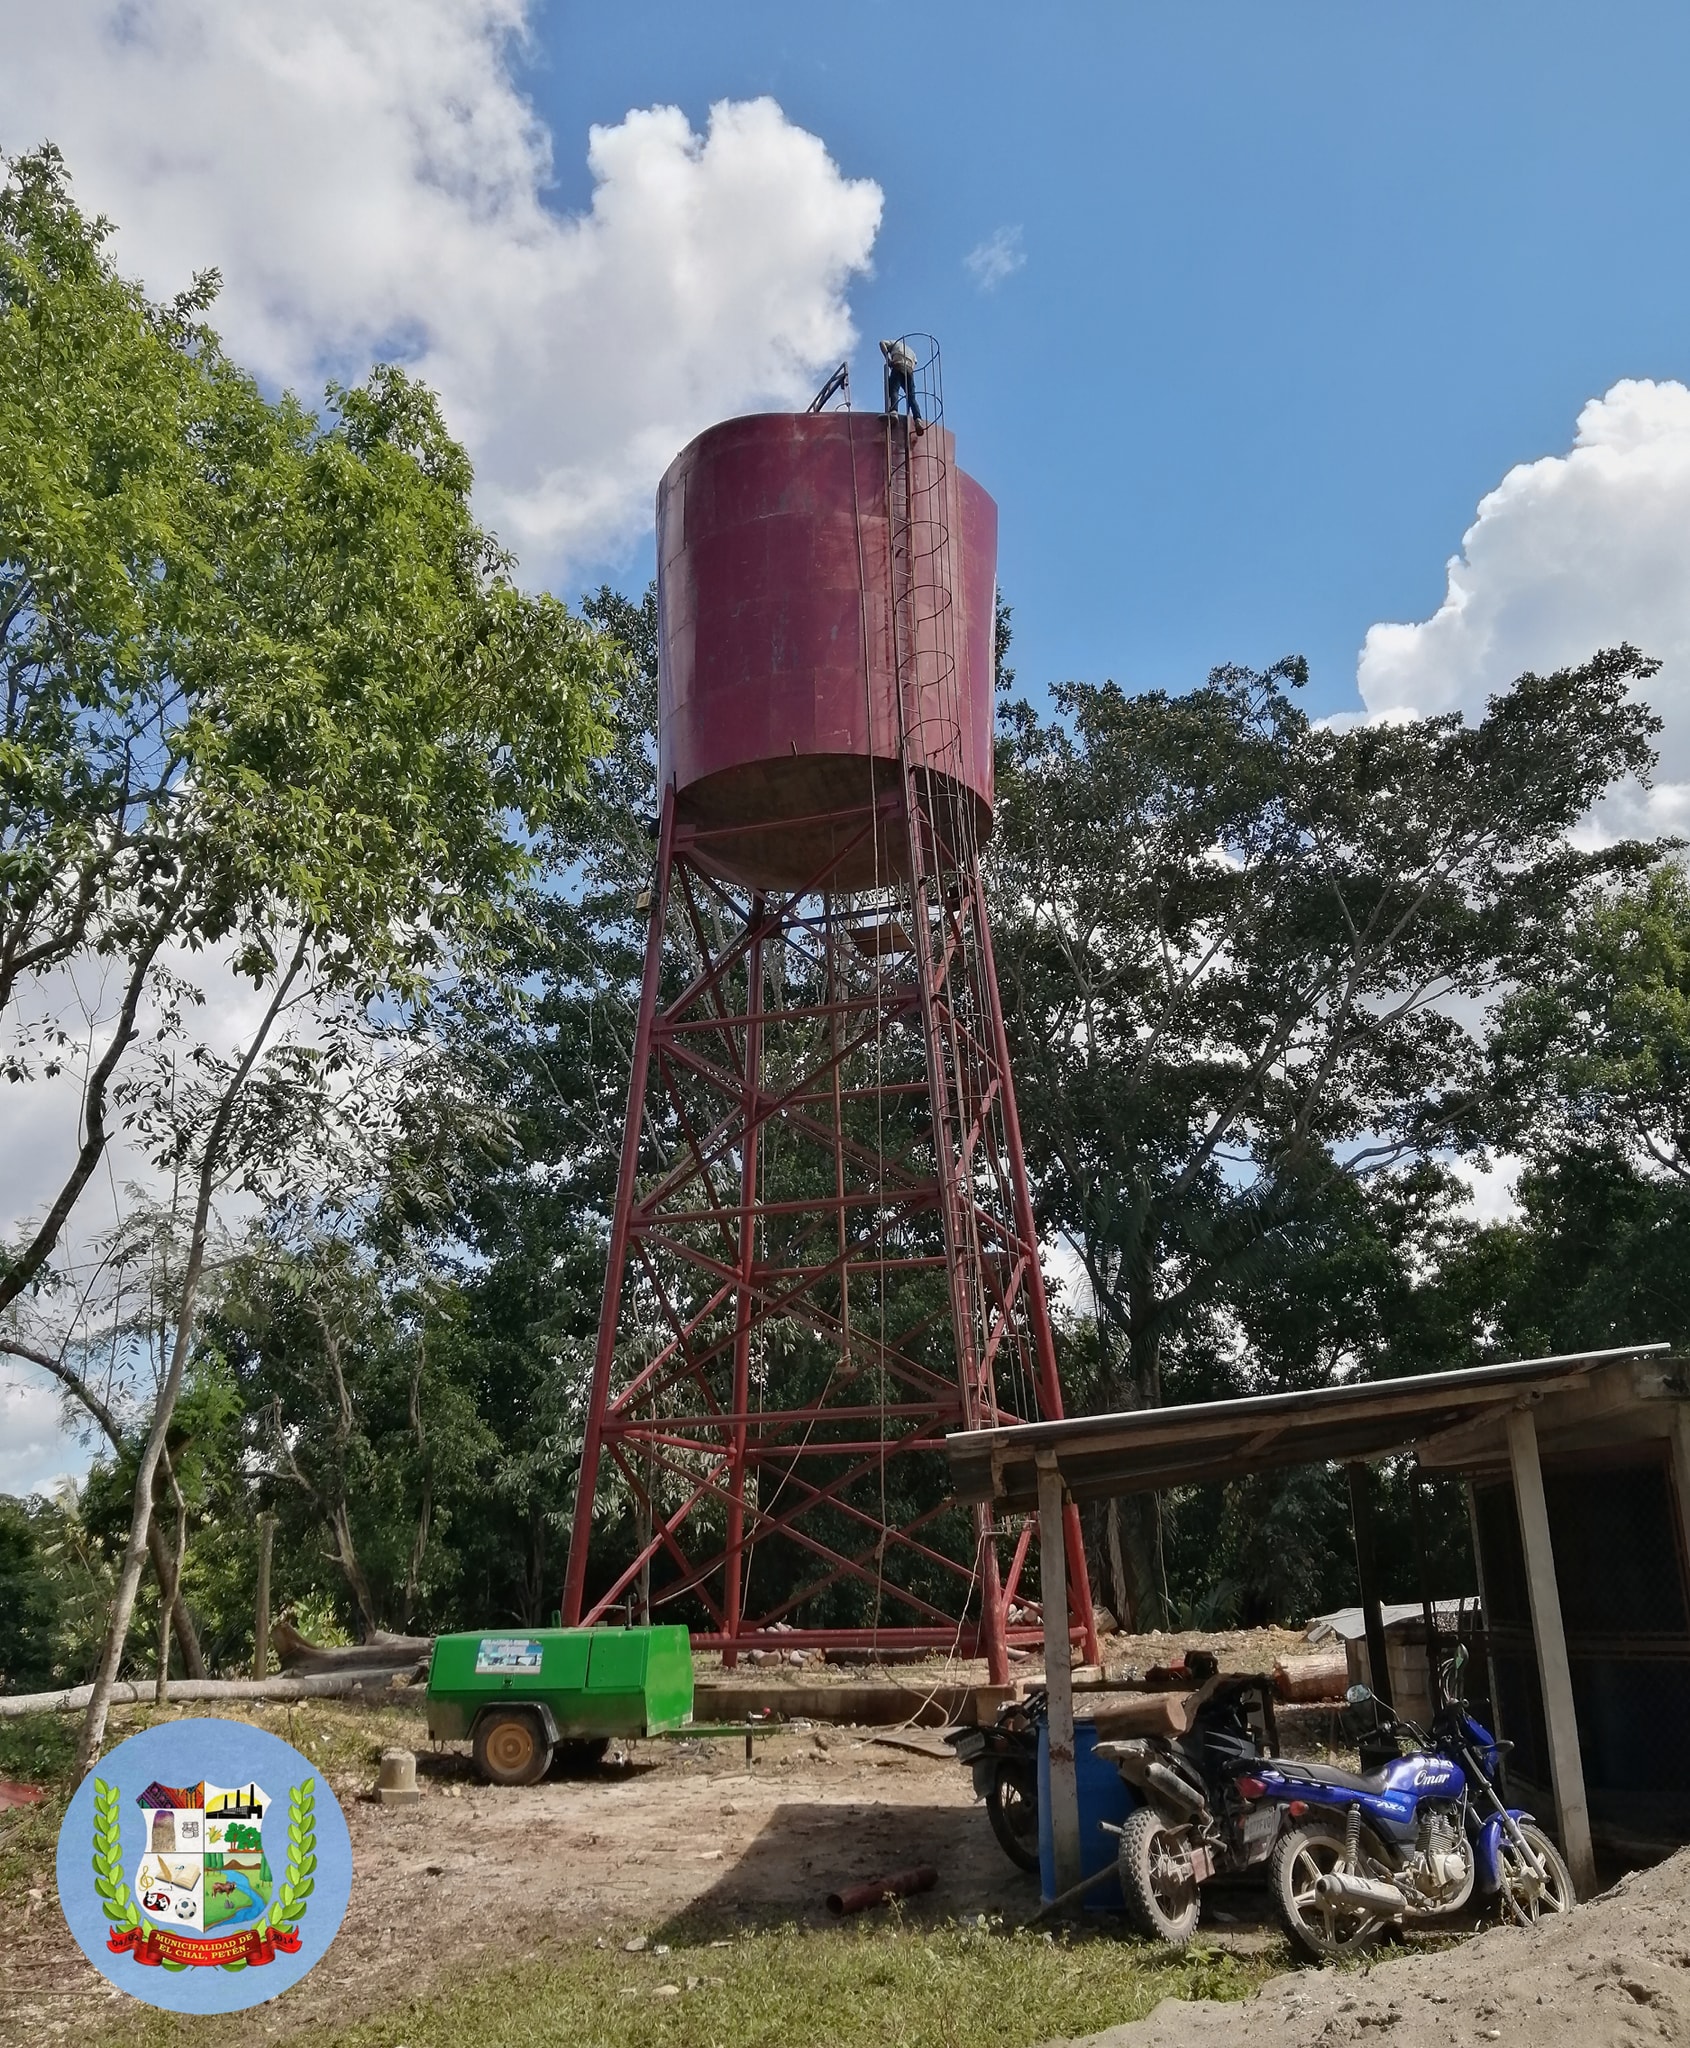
[(1681, 1462), (1059, 1683), (1566, 1766), (1367, 1572)]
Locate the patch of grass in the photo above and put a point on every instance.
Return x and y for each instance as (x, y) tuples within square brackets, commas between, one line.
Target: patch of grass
[(37, 1748), (819, 1988), (793, 1987), (344, 1742)]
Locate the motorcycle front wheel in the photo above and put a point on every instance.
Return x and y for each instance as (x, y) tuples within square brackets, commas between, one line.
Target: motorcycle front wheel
[(1320, 1929), (1156, 1879), (1526, 1897), (1012, 1807)]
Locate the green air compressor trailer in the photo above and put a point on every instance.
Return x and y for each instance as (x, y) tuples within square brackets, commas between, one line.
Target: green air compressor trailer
[(521, 1698)]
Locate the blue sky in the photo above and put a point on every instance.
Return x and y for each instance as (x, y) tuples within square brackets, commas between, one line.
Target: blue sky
[(1301, 282)]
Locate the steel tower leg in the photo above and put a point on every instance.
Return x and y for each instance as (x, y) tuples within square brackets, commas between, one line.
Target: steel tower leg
[(616, 1260), (744, 1311)]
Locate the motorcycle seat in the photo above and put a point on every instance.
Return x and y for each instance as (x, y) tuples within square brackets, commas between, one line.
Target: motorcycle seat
[(1342, 1781)]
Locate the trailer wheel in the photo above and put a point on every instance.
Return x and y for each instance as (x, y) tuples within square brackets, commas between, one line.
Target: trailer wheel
[(1156, 1878), (1012, 1807), (511, 1747)]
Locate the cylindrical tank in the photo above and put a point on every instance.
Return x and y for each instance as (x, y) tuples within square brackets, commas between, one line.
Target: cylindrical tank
[(785, 545)]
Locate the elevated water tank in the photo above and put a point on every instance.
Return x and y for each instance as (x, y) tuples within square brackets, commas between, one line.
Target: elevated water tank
[(785, 544)]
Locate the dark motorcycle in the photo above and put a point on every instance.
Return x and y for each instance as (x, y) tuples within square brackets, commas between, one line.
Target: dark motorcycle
[(1182, 1754), (1409, 1842), (1004, 1758)]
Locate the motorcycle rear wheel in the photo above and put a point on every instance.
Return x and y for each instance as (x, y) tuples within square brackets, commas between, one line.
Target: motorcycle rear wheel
[(1320, 1929), (1162, 1897), (1526, 1898), (1012, 1807)]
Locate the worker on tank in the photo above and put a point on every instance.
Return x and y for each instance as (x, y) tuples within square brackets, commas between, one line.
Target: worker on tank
[(900, 377)]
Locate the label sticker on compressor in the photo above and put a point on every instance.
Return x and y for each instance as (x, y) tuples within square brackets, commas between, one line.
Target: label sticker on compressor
[(499, 1654)]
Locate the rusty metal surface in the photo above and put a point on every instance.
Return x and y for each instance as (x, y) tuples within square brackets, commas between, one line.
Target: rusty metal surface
[(778, 692), (775, 1364)]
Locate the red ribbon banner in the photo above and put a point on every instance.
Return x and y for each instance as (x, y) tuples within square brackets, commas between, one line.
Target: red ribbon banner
[(154, 1945)]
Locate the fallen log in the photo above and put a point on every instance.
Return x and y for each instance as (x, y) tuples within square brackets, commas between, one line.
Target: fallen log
[(300, 1657), (1320, 1676), (374, 1686)]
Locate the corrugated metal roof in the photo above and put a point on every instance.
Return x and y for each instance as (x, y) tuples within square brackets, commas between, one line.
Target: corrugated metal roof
[(1151, 1448)]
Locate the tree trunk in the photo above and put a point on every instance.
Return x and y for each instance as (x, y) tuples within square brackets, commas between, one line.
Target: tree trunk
[(1121, 1590), (1138, 1528), (346, 1553), (193, 1664), (93, 1736), (167, 1594), (181, 1621), (261, 1612)]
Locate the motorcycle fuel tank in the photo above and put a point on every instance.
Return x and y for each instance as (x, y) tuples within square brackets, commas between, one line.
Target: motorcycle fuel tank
[(1389, 1798)]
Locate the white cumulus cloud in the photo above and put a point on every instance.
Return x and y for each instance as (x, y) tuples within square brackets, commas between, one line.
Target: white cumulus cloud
[(373, 183), (1568, 554), (999, 256), (36, 1450)]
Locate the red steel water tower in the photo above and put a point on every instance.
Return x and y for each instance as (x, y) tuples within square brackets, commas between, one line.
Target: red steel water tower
[(823, 1255)]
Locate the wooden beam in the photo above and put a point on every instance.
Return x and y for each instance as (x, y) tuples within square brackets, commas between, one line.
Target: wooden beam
[(1367, 1572), (1059, 1684), (1476, 1440), (1681, 1467), (261, 1613), (1485, 1614), (1566, 1765)]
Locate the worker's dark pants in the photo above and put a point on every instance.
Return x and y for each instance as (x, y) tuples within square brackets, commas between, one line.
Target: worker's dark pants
[(901, 381)]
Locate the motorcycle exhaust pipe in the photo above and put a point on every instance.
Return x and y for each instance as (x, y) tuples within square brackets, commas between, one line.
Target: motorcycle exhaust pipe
[(1371, 1894), (1173, 1788)]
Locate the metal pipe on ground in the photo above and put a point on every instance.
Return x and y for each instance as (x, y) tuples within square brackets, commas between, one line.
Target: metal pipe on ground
[(902, 1884)]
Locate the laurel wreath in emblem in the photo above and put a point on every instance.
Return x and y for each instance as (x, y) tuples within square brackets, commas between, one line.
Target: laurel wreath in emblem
[(109, 1881), (287, 1907)]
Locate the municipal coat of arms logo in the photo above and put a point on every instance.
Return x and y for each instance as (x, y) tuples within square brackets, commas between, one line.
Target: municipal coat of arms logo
[(215, 1876), (207, 1895)]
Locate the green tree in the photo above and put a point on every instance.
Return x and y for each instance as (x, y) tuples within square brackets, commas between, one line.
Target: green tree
[(361, 1425), (1239, 953), (1591, 1089), (29, 1599), (270, 691)]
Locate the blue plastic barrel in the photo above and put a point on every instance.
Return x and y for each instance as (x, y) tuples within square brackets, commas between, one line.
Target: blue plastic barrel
[(1104, 1795)]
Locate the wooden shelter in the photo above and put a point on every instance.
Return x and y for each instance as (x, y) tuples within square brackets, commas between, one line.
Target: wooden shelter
[(1579, 1477)]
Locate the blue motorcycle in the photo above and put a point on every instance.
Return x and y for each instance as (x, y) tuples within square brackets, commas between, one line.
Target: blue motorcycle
[(1409, 1842)]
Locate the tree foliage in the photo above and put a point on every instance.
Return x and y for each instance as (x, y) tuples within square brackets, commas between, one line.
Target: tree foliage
[(262, 673), (271, 697), (1244, 955)]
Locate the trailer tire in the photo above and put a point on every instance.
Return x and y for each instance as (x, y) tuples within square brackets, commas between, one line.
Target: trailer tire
[(511, 1747), (1160, 1903)]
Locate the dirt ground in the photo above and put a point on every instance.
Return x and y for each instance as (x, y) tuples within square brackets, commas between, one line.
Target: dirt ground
[(686, 1837), (1612, 1975), (683, 1832), (677, 1833)]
